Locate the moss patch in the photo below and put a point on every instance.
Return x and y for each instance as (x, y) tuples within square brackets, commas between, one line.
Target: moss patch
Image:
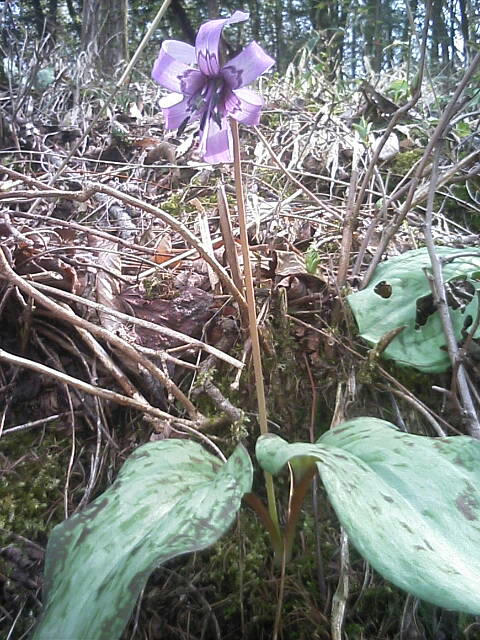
[(403, 162), (31, 486)]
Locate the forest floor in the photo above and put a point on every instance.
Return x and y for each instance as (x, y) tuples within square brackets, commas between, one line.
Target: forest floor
[(115, 329)]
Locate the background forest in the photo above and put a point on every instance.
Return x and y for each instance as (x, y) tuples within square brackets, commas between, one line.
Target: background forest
[(367, 152), (349, 39)]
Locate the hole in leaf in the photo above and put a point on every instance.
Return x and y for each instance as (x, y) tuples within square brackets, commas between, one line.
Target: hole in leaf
[(467, 323), (459, 293), (383, 289), (424, 309)]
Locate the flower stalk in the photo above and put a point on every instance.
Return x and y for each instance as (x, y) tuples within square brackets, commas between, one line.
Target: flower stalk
[(252, 313), (214, 91)]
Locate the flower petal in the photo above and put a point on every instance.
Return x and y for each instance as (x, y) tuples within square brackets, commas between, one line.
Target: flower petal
[(215, 143), (207, 41), (245, 67), (176, 109), (173, 68), (244, 105)]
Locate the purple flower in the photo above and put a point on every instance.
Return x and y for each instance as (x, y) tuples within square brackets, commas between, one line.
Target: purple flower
[(210, 91)]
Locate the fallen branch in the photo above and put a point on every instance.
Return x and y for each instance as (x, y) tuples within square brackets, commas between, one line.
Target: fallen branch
[(86, 387), (173, 223), (146, 324), (68, 316)]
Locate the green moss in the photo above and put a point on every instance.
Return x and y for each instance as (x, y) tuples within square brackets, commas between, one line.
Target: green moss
[(173, 205), (475, 222), (31, 503), (240, 430), (455, 210), (31, 487), (241, 568), (272, 120), (355, 631), (160, 285), (228, 557), (403, 162)]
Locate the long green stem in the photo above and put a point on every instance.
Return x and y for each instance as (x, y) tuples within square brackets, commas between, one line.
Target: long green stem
[(252, 313)]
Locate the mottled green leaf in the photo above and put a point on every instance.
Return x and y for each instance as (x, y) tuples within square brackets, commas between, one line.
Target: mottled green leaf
[(399, 295), (410, 504), (170, 498)]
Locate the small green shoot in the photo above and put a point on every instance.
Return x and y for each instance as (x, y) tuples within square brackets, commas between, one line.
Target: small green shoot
[(312, 259)]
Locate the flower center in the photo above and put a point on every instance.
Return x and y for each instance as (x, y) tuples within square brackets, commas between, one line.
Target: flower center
[(211, 101)]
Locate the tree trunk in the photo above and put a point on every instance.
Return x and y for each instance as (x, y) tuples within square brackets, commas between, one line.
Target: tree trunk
[(254, 18), (104, 34), (373, 34), (353, 51), (464, 26), (212, 7), (52, 18), (407, 33), (46, 22), (39, 17), (75, 18), (440, 53), (181, 17), (279, 33)]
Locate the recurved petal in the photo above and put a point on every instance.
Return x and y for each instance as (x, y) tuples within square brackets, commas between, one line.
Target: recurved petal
[(174, 61), (245, 67), (215, 143), (244, 105), (176, 109), (207, 41)]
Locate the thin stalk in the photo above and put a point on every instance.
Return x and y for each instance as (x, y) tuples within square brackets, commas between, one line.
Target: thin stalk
[(252, 313)]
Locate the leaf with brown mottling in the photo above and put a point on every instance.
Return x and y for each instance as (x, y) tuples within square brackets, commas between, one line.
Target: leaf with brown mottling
[(170, 497), (410, 504)]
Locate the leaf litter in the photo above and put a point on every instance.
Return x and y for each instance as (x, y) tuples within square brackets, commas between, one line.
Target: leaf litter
[(133, 308)]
